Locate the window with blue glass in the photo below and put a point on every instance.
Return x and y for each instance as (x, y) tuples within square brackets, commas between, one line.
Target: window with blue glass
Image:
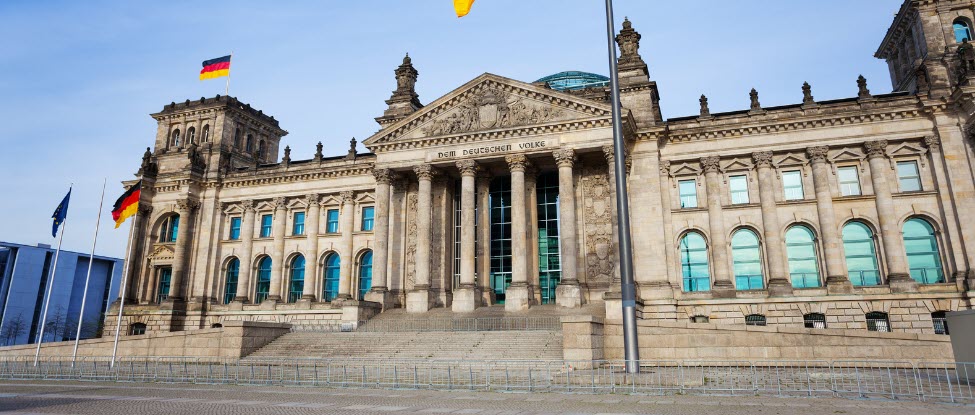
[(499, 199), (235, 228), (738, 185), (861, 254), (365, 274), (849, 180), (694, 262), (332, 221), (230, 284), (297, 278), (747, 260), (298, 227), (266, 222), (962, 31), (800, 248), (792, 185), (263, 286), (330, 275), (688, 193), (165, 278), (170, 228), (368, 218), (908, 177), (922, 252), (549, 256)]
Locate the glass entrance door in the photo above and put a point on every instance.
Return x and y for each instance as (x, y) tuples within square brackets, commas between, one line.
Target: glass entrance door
[(549, 257), (500, 201)]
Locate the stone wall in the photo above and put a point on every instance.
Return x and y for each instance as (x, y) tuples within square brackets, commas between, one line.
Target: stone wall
[(234, 340)]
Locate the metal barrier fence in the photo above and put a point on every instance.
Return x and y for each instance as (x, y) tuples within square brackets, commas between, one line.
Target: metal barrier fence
[(941, 382), (462, 324)]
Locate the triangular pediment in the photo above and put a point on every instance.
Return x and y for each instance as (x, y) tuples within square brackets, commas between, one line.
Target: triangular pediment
[(684, 169), (791, 159), (737, 164), (906, 149), (847, 154), (162, 252), (490, 103)]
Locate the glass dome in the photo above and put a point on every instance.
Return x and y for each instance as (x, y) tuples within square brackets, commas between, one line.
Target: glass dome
[(572, 80)]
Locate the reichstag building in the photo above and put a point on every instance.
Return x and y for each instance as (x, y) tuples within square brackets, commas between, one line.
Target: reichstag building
[(852, 213)]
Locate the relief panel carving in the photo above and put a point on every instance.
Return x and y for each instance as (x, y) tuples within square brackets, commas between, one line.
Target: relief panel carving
[(411, 208), (491, 107), (600, 258)]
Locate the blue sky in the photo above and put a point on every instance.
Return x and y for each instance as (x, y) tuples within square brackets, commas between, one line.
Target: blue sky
[(78, 79)]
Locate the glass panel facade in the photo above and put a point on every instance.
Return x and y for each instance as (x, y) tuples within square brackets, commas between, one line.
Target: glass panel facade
[(747, 259), (365, 274), (908, 177), (332, 221), (800, 248), (235, 228), (457, 228), (266, 221), (688, 193), (500, 201), (549, 258), (922, 252), (368, 218), (330, 274), (230, 286), (849, 181), (297, 278), (298, 227), (263, 285), (962, 32), (739, 189), (165, 278), (792, 185), (861, 254), (694, 263)]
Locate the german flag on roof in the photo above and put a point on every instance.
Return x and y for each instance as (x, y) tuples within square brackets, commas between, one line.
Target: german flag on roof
[(127, 204), (215, 68)]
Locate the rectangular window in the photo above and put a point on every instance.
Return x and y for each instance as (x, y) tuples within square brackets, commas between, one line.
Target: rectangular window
[(368, 218), (165, 278), (739, 189), (235, 228), (332, 221), (298, 228), (849, 181), (792, 184), (908, 176), (266, 221), (688, 193)]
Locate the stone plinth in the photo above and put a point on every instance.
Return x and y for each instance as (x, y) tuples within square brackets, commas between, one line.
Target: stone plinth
[(518, 297), (568, 295), (419, 300), (465, 300)]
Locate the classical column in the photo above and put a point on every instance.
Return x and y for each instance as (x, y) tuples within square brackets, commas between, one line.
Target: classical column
[(311, 254), (466, 296), (380, 253), (956, 253), (484, 237), (779, 283), (277, 253), (418, 300), (898, 276), (837, 280), (568, 293), (670, 251), (519, 295), (246, 252), (723, 286), (346, 225), (139, 236), (184, 208)]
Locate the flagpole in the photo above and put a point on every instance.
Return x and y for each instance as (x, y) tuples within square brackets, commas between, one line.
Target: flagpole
[(631, 349), (50, 285), (125, 279), (228, 73), (91, 261)]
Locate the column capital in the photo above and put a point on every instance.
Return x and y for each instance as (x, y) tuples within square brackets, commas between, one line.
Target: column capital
[(762, 158), (817, 154), (932, 142), (313, 199), (876, 148), (347, 196), (609, 152), (664, 167), (468, 167), (425, 172), (382, 176), (517, 162), (247, 205), (280, 202), (186, 205), (145, 210), (711, 164), (565, 157)]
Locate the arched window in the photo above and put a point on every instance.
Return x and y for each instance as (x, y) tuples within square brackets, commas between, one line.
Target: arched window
[(261, 149), (940, 322), (922, 252), (747, 260), (237, 138), (814, 321), (877, 321), (205, 135), (694, 262), (365, 274), (191, 135), (331, 276), (230, 286), (250, 143), (800, 249), (962, 31), (297, 284), (755, 320), (137, 329), (861, 254), (169, 229), (176, 138), (263, 280)]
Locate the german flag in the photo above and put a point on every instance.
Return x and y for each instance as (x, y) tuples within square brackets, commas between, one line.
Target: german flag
[(127, 204), (215, 68)]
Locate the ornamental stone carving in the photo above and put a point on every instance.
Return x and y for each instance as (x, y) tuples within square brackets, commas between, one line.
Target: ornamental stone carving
[(424, 172), (876, 148), (629, 44), (247, 205), (145, 210), (186, 205), (491, 107), (382, 176), (280, 202), (817, 154), (468, 167), (762, 158), (564, 157), (932, 142), (347, 196), (665, 168), (313, 199), (517, 162), (411, 232), (598, 227), (710, 164)]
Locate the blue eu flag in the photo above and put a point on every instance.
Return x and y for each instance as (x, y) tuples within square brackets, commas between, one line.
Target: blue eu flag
[(60, 213)]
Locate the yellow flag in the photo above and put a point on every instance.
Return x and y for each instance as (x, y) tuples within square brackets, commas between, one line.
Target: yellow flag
[(463, 7)]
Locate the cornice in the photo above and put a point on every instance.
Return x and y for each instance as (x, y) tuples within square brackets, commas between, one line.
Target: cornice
[(286, 177)]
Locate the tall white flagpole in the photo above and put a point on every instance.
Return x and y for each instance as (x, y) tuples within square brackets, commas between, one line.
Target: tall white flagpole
[(125, 280), (50, 285), (91, 260), (228, 73)]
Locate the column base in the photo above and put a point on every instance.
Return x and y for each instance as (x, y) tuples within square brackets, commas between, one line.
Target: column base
[(657, 290), (779, 287), (241, 299), (465, 300), (381, 296), (419, 300), (902, 283), (569, 295), (723, 289), (304, 303), (838, 285), (518, 297)]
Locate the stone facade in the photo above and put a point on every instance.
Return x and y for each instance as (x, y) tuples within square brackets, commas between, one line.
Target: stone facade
[(455, 205)]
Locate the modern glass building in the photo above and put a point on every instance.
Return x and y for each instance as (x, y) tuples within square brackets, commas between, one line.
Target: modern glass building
[(573, 80)]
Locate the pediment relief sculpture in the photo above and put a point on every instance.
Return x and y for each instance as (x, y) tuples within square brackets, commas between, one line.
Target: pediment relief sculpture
[(491, 107)]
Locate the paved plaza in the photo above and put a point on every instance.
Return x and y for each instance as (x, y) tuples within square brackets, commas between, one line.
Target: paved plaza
[(18, 397)]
